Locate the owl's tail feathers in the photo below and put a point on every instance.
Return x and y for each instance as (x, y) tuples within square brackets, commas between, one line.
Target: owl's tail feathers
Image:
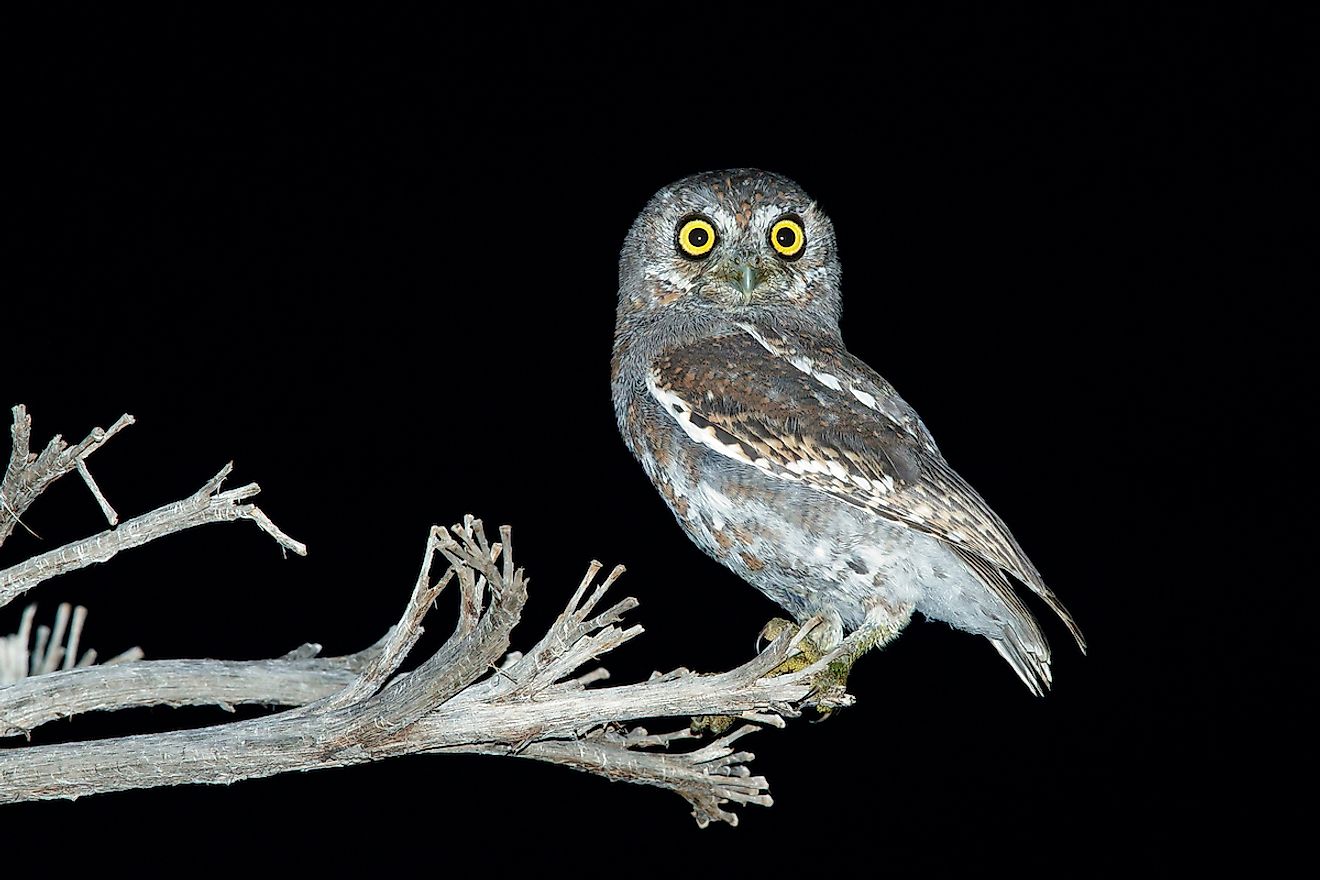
[(1019, 639), (1038, 586), (1032, 667)]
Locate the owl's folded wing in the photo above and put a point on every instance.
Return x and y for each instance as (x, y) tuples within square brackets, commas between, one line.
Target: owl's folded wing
[(829, 421)]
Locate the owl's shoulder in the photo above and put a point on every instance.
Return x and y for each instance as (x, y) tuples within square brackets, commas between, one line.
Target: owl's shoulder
[(800, 372)]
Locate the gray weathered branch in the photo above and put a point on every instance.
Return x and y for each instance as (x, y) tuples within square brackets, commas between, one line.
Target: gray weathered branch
[(460, 700), (472, 695), (707, 777), (293, 680), (206, 505), (29, 474), (22, 656)]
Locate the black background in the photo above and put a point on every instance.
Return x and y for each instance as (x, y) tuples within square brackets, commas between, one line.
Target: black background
[(373, 261)]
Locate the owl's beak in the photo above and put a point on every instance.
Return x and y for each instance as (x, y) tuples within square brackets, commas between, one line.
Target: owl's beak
[(743, 275), (746, 280)]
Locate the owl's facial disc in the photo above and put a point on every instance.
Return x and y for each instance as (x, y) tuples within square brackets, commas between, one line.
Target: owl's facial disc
[(735, 240)]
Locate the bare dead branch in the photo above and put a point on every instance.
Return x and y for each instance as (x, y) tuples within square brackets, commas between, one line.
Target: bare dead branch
[(467, 655), (110, 515), (226, 683), (21, 657), (28, 475), (472, 695), (206, 505), (400, 638), (15, 654), (706, 778), (456, 700)]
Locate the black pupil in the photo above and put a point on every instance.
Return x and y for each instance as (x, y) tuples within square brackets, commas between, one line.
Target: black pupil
[(698, 237), (786, 237)]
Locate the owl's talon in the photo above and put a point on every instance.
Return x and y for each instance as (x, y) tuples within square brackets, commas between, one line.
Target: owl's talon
[(773, 629), (807, 634), (805, 652), (713, 724), (804, 647), (830, 686)]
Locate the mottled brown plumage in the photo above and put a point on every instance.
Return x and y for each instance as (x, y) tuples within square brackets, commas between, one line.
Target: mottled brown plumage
[(781, 454)]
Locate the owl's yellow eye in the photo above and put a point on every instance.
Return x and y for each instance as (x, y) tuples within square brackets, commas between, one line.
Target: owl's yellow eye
[(788, 237), (696, 236)]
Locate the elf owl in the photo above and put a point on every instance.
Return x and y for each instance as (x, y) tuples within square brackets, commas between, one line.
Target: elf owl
[(782, 455)]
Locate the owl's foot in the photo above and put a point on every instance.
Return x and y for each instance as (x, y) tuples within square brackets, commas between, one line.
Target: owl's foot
[(832, 681), (818, 638), (809, 650), (830, 685), (713, 724)]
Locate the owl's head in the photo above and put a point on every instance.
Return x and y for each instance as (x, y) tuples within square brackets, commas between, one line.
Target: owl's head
[(729, 243)]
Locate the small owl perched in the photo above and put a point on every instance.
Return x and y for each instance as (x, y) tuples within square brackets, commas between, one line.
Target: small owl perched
[(782, 455)]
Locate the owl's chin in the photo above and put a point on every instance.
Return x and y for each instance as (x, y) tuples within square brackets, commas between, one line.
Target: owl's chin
[(729, 295)]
